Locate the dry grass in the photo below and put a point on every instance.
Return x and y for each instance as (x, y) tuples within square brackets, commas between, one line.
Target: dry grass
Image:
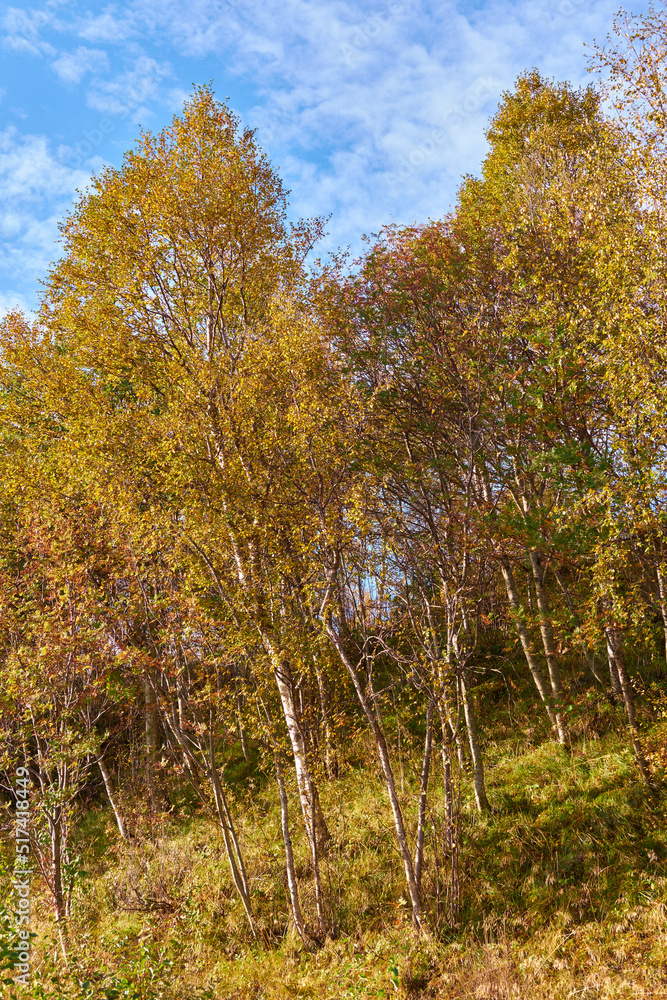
[(564, 892)]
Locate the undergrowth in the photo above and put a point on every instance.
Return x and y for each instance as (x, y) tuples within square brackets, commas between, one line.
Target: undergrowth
[(563, 888)]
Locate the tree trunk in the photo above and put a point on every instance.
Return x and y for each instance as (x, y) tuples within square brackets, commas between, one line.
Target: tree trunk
[(293, 887), (310, 801), (232, 847), (475, 752), (111, 795), (451, 826), (246, 570), (316, 829), (152, 738), (423, 796), (385, 761), (59, 898), (325, 708), (662, 592), (439, 663), (56, 852), (613, 672), (616, 650), (546, 631), (239, 716), (524, 636)]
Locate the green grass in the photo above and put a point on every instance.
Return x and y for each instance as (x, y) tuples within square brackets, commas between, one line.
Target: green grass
[(564, 887)]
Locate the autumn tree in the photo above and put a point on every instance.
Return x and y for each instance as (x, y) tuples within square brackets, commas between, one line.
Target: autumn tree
[(199, 385)]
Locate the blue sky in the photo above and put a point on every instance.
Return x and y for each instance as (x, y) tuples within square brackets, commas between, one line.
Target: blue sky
[(371, 110)]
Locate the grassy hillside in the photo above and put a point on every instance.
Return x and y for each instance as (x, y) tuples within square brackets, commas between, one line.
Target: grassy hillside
[(563, 886)]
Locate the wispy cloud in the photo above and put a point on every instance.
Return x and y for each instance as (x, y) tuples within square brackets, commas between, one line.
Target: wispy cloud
[(131, 88), (373, 110), (22, 30), (11, 300), (29, 172), (73, 66), (353, 94), (106, 27), (351, 91), (35, 192), (200, 28)]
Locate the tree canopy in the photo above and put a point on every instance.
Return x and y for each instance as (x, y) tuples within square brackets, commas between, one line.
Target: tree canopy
[(247, 503)]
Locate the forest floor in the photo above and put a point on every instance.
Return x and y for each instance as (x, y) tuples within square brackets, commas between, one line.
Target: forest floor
[(563, 886)]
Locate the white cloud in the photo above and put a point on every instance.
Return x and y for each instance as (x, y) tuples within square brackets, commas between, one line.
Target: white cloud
[(106, 28), (26, 47), (373, 109), (22, 29), (376, 112), (176, 98), (196, 29), (29, 172), (17, 21), (13, 300), (73, 66), (126, 90), (35, 192)]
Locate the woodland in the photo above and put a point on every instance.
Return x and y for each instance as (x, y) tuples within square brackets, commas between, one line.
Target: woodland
[(334, 593)]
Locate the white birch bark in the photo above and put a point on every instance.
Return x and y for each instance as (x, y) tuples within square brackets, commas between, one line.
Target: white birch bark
[(546, 631), (292, 884), (481, 799), (524, 636), (423, 796), (385, 761), (614, 645), (111, 795)]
